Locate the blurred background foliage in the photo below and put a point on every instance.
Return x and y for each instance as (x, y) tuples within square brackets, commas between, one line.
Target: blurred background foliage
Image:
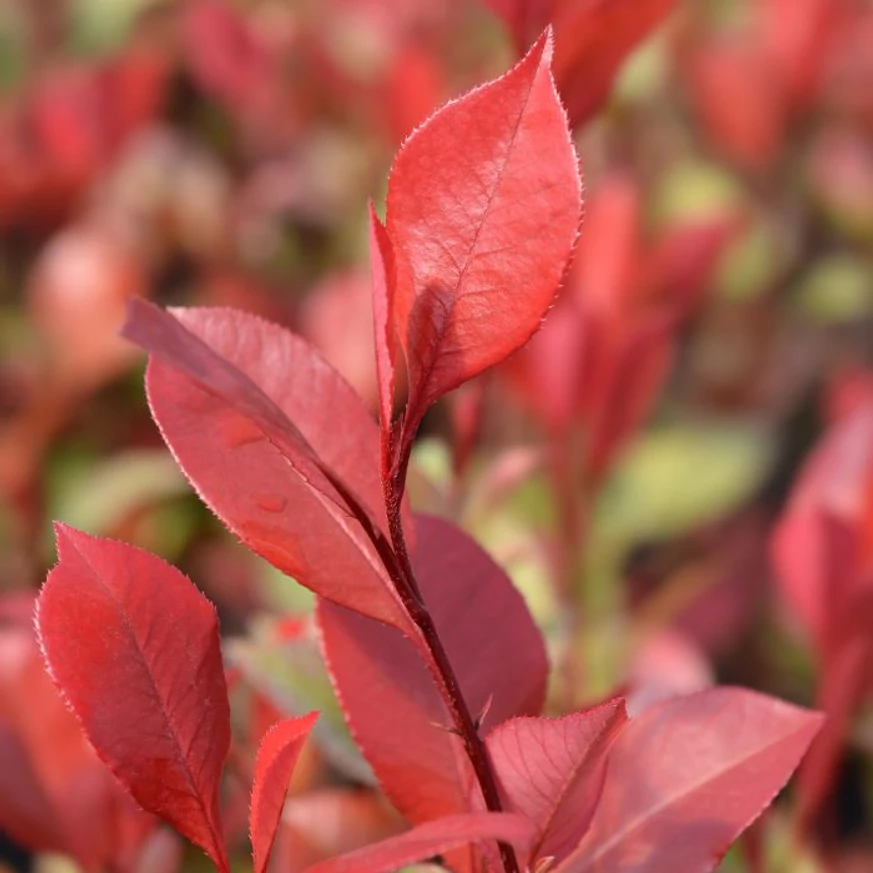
[(223, 153)]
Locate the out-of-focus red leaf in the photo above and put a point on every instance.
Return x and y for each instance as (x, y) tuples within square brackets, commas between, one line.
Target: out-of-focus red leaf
[(816, 545), (226, 55), (277, 756), (326, 822), (592, 39), (432, 838), (77, 294), (687, 776), (736, 94), (134, 648), (551, 770), (55, 794), (843, 682), (273, 407), (390, 700), (474, 274), (336, 318), (798, 35)]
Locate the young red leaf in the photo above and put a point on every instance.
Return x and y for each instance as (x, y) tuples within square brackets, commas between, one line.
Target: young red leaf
[(134, 648), (432, 838), (274, 765), (251, 413), (688, 776), (382, 266), (469, 198), (551, 770), (393, 707)]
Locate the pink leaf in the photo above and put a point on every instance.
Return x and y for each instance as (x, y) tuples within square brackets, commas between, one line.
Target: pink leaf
[(275, 763), (273, 464), (432, 838), (688, 776), (468, 198), (134, 648), (390, 700), (551, 770)]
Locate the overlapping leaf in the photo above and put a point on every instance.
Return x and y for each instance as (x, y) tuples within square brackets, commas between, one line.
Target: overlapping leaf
[(686, 777), (551, 770), (393, 707), (289, 459), (134, 648)]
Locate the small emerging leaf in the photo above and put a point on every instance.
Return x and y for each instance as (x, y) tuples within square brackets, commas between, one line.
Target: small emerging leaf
[(274, 765)]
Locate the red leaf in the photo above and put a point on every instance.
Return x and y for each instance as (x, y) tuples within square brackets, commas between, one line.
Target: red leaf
[(592, 39), (390, 700), (432, 838), (688, 776), (134, 648), (816, 544), (277, 756), (382, 261), (55, 794), (551, 771), (273, 463), (469, 195)]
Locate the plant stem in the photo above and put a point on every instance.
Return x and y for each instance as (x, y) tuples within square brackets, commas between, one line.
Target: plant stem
[(407, 587)]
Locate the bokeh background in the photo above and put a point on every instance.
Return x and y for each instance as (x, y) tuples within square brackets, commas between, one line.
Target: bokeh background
[(628, 468)]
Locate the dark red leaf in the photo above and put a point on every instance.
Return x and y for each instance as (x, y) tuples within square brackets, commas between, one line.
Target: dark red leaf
[(395, 711), (134, 648), (551, 770), (689, 775), (274, 765), (474, 272), (432, 838), (274, 463)]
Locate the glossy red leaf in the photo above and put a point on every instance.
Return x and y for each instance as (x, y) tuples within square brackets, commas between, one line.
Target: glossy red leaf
[(432, 838), (687, 776), (274, 765), (273, 464), (551, 771), (468, 197), (134, 648), (390, 700)]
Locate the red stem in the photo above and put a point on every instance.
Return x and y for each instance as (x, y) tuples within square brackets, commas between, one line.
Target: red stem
[(407, 587)]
